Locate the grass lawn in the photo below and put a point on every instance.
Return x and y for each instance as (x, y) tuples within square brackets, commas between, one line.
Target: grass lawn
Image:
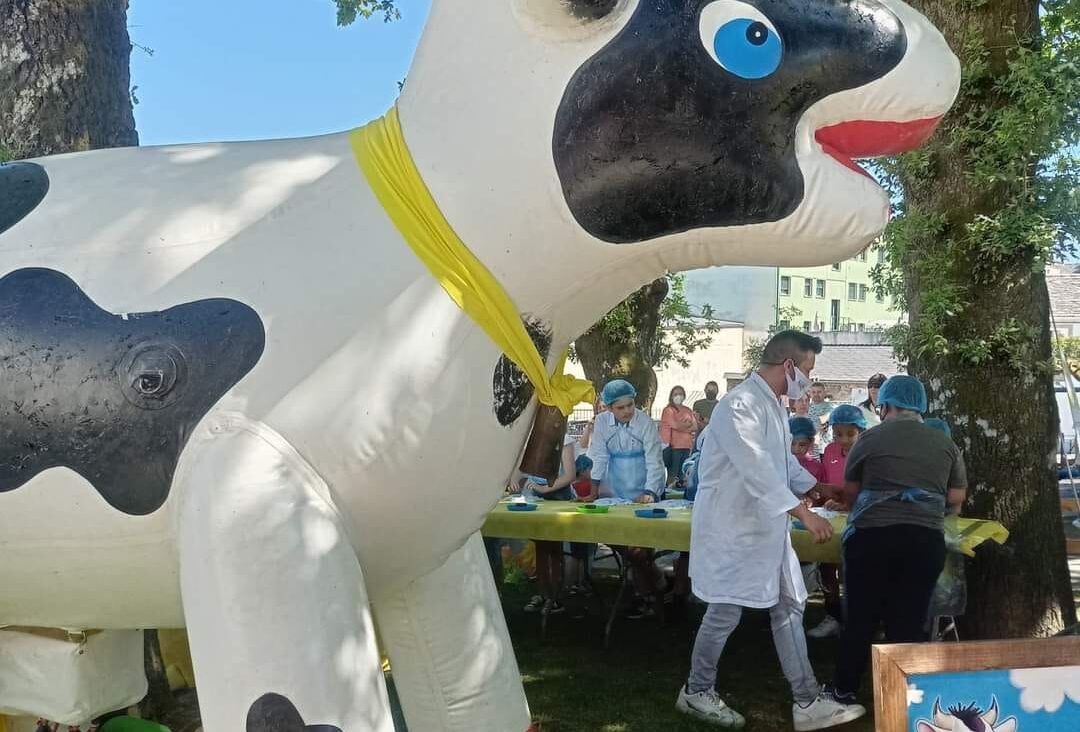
[(574, 685)]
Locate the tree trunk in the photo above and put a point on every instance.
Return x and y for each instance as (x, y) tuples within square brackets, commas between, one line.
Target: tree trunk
[(65, 84), (1002, 408), (159, 698), (627, 352)]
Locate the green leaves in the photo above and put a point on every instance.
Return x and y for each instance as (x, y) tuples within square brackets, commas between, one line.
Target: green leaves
[(993, 198), (661, 329), (350, 10)]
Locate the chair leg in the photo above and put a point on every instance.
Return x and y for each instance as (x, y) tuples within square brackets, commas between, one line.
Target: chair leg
[(624, 580)]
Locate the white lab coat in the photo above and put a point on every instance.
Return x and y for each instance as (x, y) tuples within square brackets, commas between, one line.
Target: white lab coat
[(748, 480), (640, 434)]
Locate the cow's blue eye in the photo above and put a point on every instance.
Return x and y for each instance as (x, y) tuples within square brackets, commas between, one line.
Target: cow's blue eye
[(748, 48)]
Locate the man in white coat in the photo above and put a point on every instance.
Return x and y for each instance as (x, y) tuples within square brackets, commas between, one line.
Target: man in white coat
[(740, 547)]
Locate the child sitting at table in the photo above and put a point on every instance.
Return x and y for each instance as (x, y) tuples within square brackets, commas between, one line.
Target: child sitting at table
[(549, 554), (847, 422), (580, 553)]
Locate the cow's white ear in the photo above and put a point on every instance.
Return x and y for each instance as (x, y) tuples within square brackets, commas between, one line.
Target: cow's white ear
[(569, 20)]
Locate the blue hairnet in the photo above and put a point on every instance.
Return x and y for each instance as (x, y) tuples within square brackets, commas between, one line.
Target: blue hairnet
[(617, 389), (848, 414), (583, 463), (801, 427), (904, 392), (939, 424)]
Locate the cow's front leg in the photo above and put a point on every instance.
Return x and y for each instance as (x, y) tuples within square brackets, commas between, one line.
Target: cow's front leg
[(450, 652), (274, 600)]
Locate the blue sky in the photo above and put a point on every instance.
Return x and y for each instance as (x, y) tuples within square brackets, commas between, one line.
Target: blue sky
[(242, 69)]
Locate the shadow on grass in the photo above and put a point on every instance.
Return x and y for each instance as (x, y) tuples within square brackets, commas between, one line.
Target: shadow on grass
[(574, 685)]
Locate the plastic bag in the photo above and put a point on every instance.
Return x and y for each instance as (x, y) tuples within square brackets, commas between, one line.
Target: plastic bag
[(950, 594)]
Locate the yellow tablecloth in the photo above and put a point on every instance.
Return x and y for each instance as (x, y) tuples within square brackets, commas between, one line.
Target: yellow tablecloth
[(560, 521)]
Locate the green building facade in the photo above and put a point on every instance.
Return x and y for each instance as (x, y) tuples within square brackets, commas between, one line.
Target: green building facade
[(834, 297)]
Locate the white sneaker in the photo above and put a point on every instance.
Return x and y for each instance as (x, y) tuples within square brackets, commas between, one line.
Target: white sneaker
[(825, 712), (829, 628), (707, 706)]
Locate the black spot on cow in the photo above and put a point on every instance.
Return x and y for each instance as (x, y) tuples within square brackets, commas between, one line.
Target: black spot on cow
[(275, 713), (22, 187), (512, 389), (114, 398), (655, 137), (591, 9)]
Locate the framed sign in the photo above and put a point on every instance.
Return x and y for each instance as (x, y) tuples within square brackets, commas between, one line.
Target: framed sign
[(996, 686)]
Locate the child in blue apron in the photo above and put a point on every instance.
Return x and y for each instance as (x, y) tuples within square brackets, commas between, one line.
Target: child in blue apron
[(628, 464)]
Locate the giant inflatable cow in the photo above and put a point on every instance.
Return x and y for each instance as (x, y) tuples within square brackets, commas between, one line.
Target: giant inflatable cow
[(235, 400)]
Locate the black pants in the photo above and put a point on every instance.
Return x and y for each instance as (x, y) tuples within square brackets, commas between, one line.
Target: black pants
[(673, 460), (889, 575)]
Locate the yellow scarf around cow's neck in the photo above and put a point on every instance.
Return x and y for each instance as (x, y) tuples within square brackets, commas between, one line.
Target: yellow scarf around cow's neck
[(384, 158)]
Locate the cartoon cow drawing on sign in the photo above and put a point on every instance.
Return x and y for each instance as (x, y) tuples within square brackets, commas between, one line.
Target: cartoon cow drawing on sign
[(967, 719), (235, 400)]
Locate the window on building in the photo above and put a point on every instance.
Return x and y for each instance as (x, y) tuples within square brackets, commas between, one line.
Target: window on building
[(861, 256), (806, 326), (785, 285), (808, 287), (852, 291), (863, 289), (879, 298), (881, 255), (819, 288), (836, 267)]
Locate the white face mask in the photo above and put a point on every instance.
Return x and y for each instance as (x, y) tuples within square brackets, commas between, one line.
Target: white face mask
[(797, 385), (677, 400)]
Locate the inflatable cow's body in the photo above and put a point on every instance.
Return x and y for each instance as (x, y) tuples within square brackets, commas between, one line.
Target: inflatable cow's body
[(235, 400)]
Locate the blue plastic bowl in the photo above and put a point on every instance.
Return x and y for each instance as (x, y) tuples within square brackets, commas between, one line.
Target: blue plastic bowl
[(651, 513), (521, 507)]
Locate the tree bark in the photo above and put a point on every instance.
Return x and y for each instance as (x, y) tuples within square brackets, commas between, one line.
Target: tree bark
[(65, 81), (65, 86), (629, 352), (159, 698), (1004, 416)]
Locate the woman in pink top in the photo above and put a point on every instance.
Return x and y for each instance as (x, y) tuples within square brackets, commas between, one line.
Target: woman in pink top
[(678, 427)]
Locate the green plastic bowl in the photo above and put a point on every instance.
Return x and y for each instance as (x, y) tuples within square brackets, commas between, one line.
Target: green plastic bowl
[(592, 508), (130, 724)]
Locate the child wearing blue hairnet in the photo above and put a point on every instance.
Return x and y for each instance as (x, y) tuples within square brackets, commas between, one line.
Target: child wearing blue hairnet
[(803, 439), (847, 422)]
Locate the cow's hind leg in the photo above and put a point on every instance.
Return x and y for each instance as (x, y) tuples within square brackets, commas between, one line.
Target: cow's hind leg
[(450, 652), (274, 599)]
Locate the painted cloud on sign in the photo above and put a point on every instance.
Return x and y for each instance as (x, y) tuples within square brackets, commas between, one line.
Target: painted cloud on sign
[(1045, 689)]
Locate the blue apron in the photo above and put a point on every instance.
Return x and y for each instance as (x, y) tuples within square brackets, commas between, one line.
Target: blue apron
[(933, 504), (626, 472)]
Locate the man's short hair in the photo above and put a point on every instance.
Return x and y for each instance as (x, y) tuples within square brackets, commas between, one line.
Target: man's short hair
[(791, 344), (711, 383), (817, 383)]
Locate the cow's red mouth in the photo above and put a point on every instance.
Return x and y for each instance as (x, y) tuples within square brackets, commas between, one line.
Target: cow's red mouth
[(847, 141)]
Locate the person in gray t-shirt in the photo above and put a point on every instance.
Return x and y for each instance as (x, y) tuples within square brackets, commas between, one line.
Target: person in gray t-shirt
[(899, 455), (903, 477)]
